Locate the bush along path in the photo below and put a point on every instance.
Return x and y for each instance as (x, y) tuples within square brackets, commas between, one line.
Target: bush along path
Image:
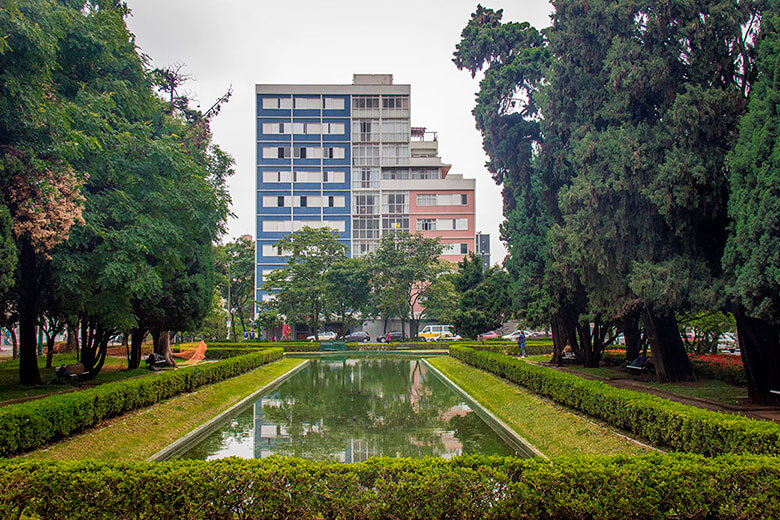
[(29, 425), (660, 421), (138, 435), (475, 487)]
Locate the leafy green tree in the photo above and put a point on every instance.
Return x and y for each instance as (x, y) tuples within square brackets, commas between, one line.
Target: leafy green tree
[(347, 285), (404, 267), (301, 288), (483, 297), (441, 299), (751, 252), (236, 265)]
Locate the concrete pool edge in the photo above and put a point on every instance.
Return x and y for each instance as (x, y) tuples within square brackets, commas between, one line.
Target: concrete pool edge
[(516, 440), (182, 444)]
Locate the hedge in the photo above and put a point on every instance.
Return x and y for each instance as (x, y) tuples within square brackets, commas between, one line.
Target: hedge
[(32, 424), (470, 487), (658, 420)]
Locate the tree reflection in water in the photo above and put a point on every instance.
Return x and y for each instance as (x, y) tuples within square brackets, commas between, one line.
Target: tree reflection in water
[(351, 409)]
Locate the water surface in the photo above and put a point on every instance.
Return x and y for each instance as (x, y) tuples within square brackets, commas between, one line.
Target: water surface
[(348, 410)]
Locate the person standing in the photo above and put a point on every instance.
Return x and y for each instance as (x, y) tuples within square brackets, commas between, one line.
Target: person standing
[(521, 343)]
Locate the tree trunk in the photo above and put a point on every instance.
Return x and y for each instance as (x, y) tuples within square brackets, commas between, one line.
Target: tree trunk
[(162, 346), (136, 346), (233, 325), (50, 349), (669, 357), (759, 344), (14, 343), (28, 298), (71, 344), (632, 336), (564, 325)]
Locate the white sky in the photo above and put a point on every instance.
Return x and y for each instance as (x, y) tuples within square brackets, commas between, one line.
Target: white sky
[(244, 42)]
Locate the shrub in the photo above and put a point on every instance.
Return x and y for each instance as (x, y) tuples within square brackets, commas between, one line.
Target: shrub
[(28, 425), (658, 420), (473, 487)]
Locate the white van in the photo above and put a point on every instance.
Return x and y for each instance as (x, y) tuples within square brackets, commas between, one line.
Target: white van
[(431, 332)]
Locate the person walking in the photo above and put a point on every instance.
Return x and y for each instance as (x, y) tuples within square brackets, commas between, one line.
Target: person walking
[(521, 343)]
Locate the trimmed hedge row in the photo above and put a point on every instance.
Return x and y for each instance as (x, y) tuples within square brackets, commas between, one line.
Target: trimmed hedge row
[(32, 424), (471, 487), (513, 349), (658, 420)]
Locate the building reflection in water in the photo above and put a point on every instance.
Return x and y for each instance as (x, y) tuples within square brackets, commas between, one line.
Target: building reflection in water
[(349, 410)]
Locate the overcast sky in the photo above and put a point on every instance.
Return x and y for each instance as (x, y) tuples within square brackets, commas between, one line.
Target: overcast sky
[(244, 42)]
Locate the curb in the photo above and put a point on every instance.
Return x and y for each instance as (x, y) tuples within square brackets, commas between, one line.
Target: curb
[(518, 442), (181, 445)]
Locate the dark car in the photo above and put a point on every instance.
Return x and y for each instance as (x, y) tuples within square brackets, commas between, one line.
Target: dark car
[(390, 337), (358, 336)]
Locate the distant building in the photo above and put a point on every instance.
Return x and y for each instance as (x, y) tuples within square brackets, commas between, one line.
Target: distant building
[(483, 248), (347, 157)]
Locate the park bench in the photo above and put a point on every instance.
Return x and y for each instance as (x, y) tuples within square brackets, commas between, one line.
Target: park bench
[(641, 366), (333, 346)]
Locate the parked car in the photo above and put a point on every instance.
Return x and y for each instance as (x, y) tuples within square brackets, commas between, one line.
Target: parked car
[(359, 336), (513, 335), (431, 332), (728, 343), (327, 335), (447, 336), (395, 335), (487, 335)]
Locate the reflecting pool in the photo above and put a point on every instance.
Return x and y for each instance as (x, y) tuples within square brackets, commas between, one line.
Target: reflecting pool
[(348, 410)]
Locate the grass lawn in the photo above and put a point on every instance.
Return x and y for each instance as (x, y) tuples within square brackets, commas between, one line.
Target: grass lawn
[(710, 389), (141, 434), (602, 372), (113, 369), (552, 428)]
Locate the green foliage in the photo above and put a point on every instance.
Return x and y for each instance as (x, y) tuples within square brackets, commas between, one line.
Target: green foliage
[(301, 287), (483, 297), (658, 420), (404, 267), (347, 285), (236, 279), (32, 424), (8, 252), (751, 252), (648, 486)]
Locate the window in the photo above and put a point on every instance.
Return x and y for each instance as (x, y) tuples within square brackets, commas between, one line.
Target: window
[(333, 152), (395, 102), (395, 154), (365, 102), (271, 250), (276, 152), (426, 224), (426, 199), (365, 178), (277, 177), (395, 131), (307, 152), (338, 225), (456, 249), (365, 131), (395, 173), (333, 104), (464, 199), (425, 173), (336, 201), (274, 201), (460, 224), (335, 176), (395, 202), (277, 226), (284, 103), (332, 128), (365, 227), (365, 203), (395, 224), (277, 128), (302, 103), (362, 248), (365, 155), (302, 201), (309, 177)]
